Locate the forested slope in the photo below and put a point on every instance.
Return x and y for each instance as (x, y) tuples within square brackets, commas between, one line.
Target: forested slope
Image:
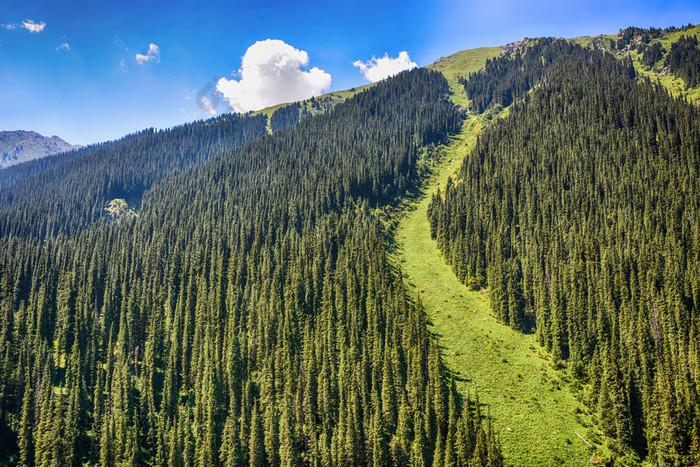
[(247, 315), (578, 211), (66, 193), (668, 56)]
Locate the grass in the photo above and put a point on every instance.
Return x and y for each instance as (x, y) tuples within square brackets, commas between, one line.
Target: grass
[(464, 62), (535, 414), (460, 64), (536, 411)]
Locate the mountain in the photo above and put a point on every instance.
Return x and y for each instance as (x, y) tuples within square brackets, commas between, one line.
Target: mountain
[(274, 288), (576, 211), (245, 311), (22, 146)]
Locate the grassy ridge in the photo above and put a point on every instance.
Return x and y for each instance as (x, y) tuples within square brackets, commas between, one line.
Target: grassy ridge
[(323, 102), (461, 64)]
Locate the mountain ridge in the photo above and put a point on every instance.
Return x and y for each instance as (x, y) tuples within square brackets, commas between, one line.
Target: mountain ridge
[(25, 145)]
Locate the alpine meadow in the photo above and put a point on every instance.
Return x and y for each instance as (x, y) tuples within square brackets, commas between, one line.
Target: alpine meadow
[(493, 260)]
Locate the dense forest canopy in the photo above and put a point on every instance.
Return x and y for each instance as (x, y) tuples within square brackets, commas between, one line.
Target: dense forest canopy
[(219, 293), (285, 116), (508, 79), (246, 315), (68, 192), (579, 211)]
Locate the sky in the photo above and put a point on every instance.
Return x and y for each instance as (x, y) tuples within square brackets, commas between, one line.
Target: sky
[(91, 71)]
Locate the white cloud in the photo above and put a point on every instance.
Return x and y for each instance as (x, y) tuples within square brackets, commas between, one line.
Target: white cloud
[(377, 69), (207, 105), (122, 64), (153, 55), (9, 27), (31, 26), (63, 46), (271, 73)]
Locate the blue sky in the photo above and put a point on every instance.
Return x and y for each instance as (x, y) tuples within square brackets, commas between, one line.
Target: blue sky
[(94, 88)]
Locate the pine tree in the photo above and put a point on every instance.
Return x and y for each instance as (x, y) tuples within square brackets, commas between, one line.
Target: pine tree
[(418, 446)]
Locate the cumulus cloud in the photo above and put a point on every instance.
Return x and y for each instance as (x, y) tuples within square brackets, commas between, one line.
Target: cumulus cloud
[(63, 46), (31, 26), (152, 55), (272, 73), (377, 69)]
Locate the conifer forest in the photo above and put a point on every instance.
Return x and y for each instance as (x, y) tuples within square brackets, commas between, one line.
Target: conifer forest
[(247, 315), (578, 211), (226, 292)]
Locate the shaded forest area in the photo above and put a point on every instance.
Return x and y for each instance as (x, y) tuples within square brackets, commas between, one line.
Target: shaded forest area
[(579, 211), (683, 60)]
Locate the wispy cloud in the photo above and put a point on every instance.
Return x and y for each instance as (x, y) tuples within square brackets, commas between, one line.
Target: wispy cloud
[(272, 73), (33, 27), (377, 69), (152, 55), (63, 46), (9, 27), (201, 104)]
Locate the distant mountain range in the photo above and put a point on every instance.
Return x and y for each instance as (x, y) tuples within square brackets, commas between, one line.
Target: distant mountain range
[(22, 146)]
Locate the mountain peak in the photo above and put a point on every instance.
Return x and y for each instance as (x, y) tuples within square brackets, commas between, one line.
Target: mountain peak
[(21, 146)]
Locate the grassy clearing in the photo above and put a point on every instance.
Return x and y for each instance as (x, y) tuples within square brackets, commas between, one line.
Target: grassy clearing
[(536, 411)]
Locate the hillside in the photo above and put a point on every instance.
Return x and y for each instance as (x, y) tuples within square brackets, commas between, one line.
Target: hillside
[(649, 50), (248, 315), (22, 146), (66, 193), (537, 411), (553, 428), (318, 104), (489, 261), (552, 213)]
